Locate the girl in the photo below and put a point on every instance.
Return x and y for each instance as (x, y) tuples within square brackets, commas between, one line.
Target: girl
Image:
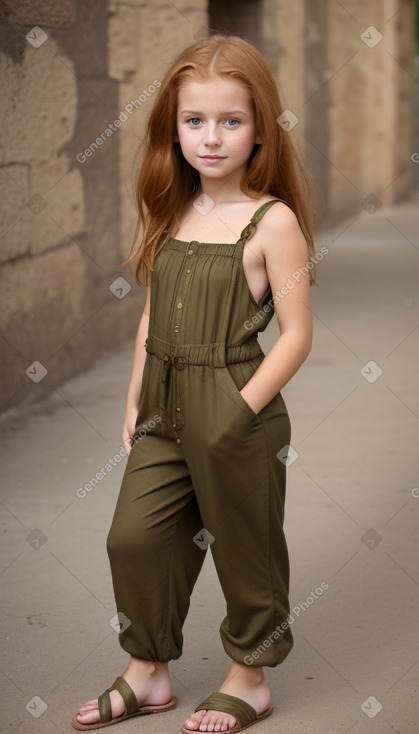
[(226, 244)]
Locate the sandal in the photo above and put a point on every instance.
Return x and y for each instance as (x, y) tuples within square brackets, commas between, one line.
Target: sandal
[(241, 710), (131, 707)]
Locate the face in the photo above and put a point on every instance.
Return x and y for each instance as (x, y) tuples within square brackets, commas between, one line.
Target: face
[(216, 126)]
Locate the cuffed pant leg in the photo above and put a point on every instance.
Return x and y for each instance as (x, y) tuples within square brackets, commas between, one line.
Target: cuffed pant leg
[(154, 560), (240, 487)]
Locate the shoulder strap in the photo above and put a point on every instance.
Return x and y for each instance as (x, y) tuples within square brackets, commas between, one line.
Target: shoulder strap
[(257, 217)]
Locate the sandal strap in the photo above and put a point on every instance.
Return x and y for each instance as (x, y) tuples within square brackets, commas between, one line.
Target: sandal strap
[(241, 710), (128, 695)]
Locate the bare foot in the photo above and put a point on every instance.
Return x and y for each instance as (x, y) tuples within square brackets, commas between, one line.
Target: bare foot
[(150, 682), (246, 683)]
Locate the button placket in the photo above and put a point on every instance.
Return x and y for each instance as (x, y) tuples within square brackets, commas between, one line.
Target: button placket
[(177, 417), (184, 286), (178, 396)]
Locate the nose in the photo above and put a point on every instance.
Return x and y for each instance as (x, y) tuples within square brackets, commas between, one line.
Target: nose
[(212, 136)]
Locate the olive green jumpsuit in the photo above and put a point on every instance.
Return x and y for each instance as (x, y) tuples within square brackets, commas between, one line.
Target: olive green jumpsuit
[(206, 472)]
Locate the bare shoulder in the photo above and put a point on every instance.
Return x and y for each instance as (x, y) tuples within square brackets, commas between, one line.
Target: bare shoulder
[(280, 230), (279, 218)]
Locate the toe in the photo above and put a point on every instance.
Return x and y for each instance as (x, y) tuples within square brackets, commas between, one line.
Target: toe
[(194, 721), (90, 717), (229, 722), (88, 706), (217, 721)]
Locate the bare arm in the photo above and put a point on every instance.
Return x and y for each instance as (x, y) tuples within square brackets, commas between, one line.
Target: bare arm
[(134, 386), (285, 252)]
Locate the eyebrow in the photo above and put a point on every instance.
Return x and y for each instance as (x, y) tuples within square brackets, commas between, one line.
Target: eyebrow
[(199, 114)]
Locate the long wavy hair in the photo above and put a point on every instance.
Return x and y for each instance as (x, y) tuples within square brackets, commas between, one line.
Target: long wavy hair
[(164, 180)]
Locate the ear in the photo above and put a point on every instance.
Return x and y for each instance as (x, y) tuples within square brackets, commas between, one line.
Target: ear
[(258, 140), (176, 139)]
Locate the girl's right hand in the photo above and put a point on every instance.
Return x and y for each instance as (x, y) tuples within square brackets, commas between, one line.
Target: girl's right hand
[(128, 428)]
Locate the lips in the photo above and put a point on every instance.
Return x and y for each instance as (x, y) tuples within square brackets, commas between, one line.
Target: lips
[(212, 157)]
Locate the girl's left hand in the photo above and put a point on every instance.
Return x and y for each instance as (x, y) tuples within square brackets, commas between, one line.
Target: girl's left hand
[(255, 409)]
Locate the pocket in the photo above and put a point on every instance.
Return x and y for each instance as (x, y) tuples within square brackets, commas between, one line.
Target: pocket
[(144, 380), (236, 394)]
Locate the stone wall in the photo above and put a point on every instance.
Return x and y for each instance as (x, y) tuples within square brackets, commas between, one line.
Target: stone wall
[(67, 214), (371, 111), (78, 79)]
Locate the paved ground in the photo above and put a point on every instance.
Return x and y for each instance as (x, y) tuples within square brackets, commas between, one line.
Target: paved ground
[(351, 520)]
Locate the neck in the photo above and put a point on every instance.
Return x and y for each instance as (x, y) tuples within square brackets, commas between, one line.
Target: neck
[(221, 190)]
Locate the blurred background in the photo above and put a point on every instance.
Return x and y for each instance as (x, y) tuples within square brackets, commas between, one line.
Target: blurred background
[(78, 78), (74, 72)]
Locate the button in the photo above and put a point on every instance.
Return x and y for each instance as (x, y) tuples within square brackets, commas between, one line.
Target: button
[(180, 304), (188, 270), (190, 252), (178, 440), (174, 425), (178, 410), (176, 328)]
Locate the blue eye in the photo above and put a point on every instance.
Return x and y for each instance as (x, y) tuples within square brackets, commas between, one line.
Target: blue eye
[(231, 119), (193, 120)]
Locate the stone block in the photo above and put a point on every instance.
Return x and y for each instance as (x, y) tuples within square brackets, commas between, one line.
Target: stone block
[(39, 106), (123, 49), (44, 302), (45, 318), (14, 192), (48, 214), (46, 13), (159, 49), (63, 217)]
